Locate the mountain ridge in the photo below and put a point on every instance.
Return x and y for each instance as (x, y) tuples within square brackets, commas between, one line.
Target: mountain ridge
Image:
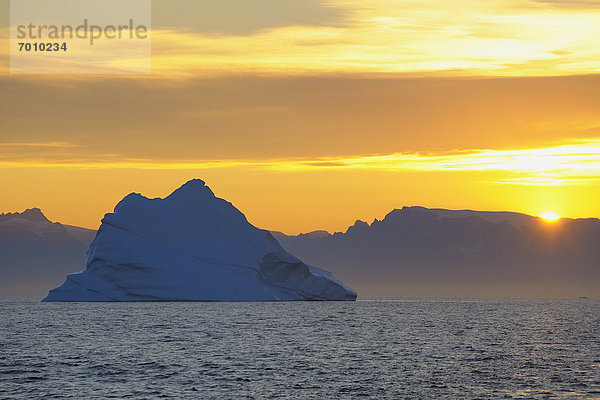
[(517, 218), (417, 251), (400, 249), (35, 251)]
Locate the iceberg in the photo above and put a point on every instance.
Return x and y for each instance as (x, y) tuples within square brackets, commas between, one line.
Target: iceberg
[(191, 246)]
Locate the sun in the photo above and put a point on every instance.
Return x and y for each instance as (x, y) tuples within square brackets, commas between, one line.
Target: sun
[(550, 216)]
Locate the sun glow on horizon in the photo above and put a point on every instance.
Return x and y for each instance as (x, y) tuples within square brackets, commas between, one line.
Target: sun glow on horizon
[(550, 216)]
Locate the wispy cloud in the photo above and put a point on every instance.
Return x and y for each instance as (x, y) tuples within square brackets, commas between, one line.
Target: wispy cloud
[(235, 17), (411, 39), (459, 37), (573, 163), (567, 164)]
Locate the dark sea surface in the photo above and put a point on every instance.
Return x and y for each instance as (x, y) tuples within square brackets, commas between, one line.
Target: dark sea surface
[(372, 348)]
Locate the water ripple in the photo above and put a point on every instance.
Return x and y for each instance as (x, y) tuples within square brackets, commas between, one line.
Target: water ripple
[(375, 348)]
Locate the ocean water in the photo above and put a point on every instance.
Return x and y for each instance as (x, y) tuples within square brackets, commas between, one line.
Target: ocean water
[(372, 348)]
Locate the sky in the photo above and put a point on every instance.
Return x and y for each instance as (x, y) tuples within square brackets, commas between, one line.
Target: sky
[(309, 115)]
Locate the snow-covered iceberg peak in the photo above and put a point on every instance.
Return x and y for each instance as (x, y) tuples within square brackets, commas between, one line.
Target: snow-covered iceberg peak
[(192, 246)]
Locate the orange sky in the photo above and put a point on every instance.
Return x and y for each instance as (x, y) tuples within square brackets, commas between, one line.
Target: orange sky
[(312, 115)]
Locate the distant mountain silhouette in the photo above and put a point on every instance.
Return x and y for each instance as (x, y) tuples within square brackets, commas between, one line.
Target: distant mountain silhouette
[(35, 254), (31, 214), (414, 251), (417, 251)]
